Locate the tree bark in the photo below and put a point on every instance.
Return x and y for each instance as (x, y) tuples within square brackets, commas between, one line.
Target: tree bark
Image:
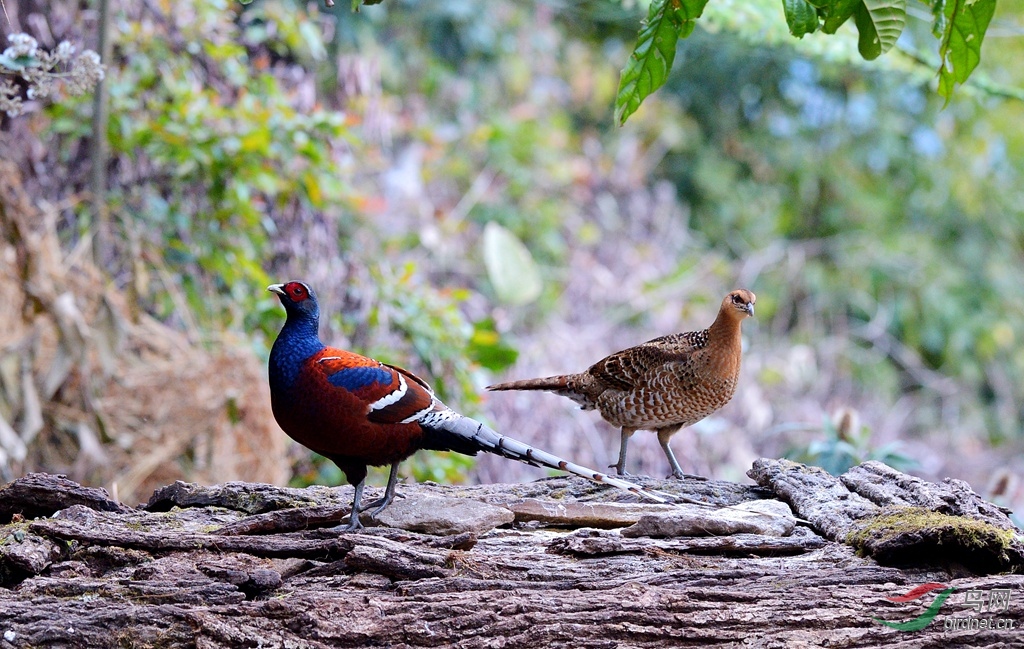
[(251, 565)]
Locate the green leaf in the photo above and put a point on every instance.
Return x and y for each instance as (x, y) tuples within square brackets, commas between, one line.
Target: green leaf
[(939, 22), (960, 47), (837, 14), (651, 60), (19, 63), (510, 266), (801, 16), (487, 348), (880, 23)]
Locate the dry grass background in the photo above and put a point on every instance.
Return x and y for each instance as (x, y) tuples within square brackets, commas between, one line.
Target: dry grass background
[(91, 387)]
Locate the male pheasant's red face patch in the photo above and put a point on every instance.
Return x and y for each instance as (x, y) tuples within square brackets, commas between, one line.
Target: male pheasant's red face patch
[(297, 291)]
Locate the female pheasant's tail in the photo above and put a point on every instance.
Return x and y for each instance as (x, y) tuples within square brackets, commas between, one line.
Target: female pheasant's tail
[(553, 383), (460, 433)]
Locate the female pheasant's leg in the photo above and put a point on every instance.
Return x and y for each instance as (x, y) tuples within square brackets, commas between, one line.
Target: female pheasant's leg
[(664, 434), (389, 493), (620, 466)]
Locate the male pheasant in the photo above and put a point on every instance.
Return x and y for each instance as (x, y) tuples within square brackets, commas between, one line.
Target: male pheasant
[(359, 412), (662, 384)]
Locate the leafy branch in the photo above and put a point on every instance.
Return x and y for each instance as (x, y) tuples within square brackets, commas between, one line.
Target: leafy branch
[(959, 27), (648, 67)]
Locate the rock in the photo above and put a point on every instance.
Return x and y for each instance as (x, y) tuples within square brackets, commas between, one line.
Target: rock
[(443, 516), (765, 517), (585, 514)]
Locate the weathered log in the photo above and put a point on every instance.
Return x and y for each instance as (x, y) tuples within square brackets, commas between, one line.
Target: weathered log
[(896, 518), (42, 494), (93, 528), (242, 496), (589, 542), (189, 573)]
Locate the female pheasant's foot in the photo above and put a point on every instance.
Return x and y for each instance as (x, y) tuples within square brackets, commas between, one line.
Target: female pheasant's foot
[(679, 475), (619, 470)]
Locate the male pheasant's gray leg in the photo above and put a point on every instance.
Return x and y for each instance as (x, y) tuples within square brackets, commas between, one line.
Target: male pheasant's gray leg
[(620, 466), (664, 434), (353, 518), (389, 493)]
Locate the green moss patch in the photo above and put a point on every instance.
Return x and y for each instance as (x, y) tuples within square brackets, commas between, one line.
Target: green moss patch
[(917, 536)]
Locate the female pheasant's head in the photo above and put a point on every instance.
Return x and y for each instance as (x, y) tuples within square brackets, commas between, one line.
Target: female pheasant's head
[(298, 299), (739, 304)]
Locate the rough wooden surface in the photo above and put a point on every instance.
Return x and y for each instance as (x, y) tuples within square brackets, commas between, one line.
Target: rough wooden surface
[(896, 518), (248, 565), (40, 494)]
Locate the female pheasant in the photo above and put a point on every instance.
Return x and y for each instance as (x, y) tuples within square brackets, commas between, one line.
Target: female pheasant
[(662, 384), (359, 412)]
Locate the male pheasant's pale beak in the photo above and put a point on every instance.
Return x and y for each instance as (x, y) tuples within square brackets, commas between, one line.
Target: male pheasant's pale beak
[(276, 288)]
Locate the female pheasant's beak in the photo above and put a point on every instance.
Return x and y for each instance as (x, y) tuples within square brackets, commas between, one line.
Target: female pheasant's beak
[(276, 288), (750, 309)]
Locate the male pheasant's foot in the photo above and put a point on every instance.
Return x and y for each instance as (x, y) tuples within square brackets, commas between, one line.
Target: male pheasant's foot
[(378, 505), (353, 525)]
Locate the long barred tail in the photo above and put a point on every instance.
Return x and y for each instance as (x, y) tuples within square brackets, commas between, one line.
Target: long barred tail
[(553, 383), (464, 429)]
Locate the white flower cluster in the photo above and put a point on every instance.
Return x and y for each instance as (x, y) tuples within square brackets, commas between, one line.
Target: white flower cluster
[(43, 71), (21, 45)]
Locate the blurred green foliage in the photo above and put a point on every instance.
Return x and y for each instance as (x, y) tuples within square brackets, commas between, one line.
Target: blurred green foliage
[(214, 148), (854, 204), (899, 224), (220, 154), (837, 450)]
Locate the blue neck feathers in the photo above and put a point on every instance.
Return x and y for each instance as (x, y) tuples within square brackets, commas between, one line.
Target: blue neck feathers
[(298, 340)]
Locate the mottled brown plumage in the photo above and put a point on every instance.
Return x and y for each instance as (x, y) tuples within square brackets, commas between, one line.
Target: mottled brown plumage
[(663, 384)]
